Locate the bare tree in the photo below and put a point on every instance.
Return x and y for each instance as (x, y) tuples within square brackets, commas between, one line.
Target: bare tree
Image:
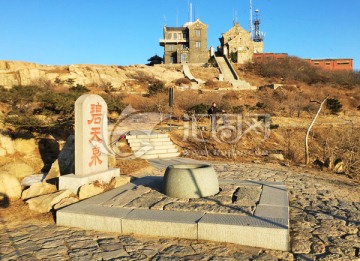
[(309, 129)]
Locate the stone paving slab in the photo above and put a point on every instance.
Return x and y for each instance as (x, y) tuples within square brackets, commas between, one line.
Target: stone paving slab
[(162, 223), (274, 196), (128, 210), (272, 211), (271, 233)]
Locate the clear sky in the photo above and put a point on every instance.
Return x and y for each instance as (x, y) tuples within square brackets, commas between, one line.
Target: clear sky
[(119, 32)]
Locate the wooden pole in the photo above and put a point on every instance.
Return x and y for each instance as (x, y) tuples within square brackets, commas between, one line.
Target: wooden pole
[(307, 159)]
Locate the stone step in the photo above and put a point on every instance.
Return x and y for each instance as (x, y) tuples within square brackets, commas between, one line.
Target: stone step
[(148, 139), (160, 156), (153, 144), (160, 147), (144, 136), (153, 152)]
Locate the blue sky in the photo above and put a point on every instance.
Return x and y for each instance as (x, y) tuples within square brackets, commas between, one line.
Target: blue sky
[(127, 32)]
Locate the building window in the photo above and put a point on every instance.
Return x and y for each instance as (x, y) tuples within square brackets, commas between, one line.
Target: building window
[(183, 57), (343, 63), (179, 35), (171, 47), (197, 44), (184, 46), (197, 32), (169, 36), (175, 36), (184, 35)]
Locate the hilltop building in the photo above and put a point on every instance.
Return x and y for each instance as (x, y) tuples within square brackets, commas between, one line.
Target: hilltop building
[(239, 45), (155, 60), (186, 44), (330, 64)]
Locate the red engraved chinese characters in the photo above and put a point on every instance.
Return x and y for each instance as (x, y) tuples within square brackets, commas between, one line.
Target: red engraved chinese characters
[(95, 112), (95, 133), (95, 158)]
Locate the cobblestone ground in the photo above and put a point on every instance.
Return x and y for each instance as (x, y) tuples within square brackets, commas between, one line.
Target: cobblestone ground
[(324, 220)]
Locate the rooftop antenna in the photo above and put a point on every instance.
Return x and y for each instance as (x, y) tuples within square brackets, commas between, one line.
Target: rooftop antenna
[(190, 12), (177, 17), (259, 36), (235, 17)]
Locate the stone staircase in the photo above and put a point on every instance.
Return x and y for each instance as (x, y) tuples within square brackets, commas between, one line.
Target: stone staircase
[(152, 146), (230, 77)]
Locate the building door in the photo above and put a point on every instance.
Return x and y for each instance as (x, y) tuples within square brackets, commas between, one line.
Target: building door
[(173, 58), (184, 58)]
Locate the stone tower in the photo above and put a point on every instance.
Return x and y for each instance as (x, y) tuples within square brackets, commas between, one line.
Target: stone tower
[(238, 45)]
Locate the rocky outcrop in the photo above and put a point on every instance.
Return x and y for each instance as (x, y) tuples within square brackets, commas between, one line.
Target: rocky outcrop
[(24, 73)]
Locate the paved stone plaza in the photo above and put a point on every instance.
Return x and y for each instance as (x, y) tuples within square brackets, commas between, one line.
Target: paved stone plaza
[(324, 224)]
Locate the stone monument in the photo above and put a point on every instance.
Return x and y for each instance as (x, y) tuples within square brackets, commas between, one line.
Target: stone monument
[(91, 139)]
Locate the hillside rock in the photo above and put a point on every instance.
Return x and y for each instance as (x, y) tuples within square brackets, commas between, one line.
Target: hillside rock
[(2, 152), (37, 189), (18, 169), (10, 186), (276, 156)]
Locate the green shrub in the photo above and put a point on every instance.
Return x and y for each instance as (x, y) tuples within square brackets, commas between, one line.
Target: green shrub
[(199, 108), (333, 105), (26, 122), (238, 109), (261, 105), (156, 87), (181, 81), (114, 103), (79, 89)]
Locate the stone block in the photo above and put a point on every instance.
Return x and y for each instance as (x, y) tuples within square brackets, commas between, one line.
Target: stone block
[(162, 223), (245, 230), (92, 217), (272, 211), (274, 196), (73, 182)]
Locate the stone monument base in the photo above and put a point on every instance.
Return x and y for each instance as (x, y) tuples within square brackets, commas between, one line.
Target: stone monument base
[(73, 182)]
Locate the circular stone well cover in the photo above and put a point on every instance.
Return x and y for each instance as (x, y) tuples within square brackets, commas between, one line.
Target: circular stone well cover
[(190, 181)]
